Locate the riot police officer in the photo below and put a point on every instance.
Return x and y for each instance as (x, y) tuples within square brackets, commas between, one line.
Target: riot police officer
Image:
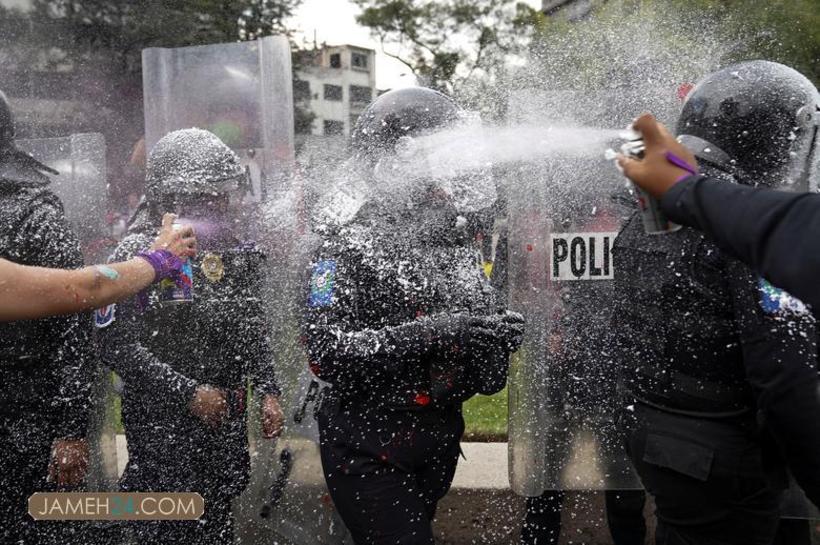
[(719, 366), (404, 325), (46, 365), (185, 354)]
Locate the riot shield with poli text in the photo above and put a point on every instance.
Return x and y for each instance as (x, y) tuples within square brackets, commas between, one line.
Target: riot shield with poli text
[(564, 213), (563, 380)]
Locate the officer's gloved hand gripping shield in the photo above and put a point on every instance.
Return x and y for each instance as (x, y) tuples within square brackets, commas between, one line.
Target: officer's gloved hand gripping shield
[(564, 214), (81, 186)]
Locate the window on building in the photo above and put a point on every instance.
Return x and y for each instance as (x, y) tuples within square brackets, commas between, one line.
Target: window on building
[(334, 128), (361, 95), (333, 92), (336, 60), (358, 60), (301, 90)]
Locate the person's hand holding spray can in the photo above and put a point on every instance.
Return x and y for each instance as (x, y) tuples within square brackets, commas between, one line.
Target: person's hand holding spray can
[(181, 290), (172, 270), (654, 161)]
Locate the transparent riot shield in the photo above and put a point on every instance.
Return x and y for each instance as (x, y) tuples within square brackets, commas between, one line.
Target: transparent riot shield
[(564, 213), (242, 92), (287, 501), (81, 185), (563, 379), (82, 188)]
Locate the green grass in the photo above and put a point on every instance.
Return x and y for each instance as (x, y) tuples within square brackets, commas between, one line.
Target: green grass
[(486, 418)]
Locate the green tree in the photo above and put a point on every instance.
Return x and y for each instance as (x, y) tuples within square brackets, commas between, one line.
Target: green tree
[(448, 43), (683, 38), (786, 31), (120, 29), (97, 44)]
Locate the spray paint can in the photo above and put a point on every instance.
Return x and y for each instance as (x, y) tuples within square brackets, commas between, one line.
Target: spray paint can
[(169, 291), (655, 221)]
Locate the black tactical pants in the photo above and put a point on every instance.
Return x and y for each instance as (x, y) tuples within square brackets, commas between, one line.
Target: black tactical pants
[(708, 477), (215, 527), (386, 471)]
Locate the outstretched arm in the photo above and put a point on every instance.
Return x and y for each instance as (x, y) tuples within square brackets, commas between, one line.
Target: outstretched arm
[(120, 333), (771, 231), (28, 292)]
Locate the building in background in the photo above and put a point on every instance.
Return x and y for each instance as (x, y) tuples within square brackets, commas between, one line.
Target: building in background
[(336, 83)]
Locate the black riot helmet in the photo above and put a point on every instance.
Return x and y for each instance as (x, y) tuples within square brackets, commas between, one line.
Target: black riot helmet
[(190, 164), (757, 120), (412, 111)]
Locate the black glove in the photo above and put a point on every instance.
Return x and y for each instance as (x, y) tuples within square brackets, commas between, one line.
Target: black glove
[(456, 332), (507, 329)]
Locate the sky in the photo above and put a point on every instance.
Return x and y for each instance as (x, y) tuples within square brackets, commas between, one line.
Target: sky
[(334, 22)]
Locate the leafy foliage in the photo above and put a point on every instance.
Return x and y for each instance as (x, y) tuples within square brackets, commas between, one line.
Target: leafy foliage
[(786, 31), (121, 28), (92, 49), (447, 43)]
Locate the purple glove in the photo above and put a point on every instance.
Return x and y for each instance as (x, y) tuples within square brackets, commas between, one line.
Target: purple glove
[(165, 264)]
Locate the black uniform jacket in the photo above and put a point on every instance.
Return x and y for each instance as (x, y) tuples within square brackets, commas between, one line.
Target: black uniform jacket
[(46, 365), (777, 233), (701, 334), (378, 292)]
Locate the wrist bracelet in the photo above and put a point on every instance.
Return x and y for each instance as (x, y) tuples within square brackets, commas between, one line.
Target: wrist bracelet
[(164, 263)]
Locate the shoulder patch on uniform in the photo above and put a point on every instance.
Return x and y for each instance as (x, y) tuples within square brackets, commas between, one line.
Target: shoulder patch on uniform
[(774, 300), (105, 316), (322, 283)]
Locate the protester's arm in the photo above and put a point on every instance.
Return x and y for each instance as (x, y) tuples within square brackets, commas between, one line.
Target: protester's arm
[(51, 241), (780, 357), (34, 292), (775, 232), (772, 231)]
